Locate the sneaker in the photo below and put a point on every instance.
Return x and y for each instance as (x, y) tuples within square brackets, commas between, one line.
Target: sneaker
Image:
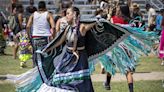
[(106, 86)]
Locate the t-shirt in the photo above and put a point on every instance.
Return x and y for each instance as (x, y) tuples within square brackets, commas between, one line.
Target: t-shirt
[(118, 20), (158, 22), (151, 13)]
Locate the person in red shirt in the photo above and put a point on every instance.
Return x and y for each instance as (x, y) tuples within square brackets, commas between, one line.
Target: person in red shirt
[(121, 15)]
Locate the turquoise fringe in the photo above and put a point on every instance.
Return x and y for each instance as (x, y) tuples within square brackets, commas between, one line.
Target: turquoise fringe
[(108, 64), (137, 44), (28, 82)]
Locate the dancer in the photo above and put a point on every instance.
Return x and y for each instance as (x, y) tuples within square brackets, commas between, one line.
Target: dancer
[(24, 45), (119, 18), (19, 19), (75, 56), (41, 22)]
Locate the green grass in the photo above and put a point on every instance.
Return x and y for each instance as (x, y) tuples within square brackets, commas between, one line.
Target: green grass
[(8, 65), (7, 87), (149, 64), (139, 86)]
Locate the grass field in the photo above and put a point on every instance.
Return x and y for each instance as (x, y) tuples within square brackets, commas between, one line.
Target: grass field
[(8, 65), (139, 86)]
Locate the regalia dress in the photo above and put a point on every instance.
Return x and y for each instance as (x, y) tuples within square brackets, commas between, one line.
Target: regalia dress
[(64, 70)]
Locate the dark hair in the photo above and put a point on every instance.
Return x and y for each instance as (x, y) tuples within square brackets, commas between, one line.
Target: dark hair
[(42, 5), (63, 12), (75, 9), (20, 8), (98, 11), (13, 6), (113, 12), (161, 11), (148, 5), (125, 10), (31, 2), (56, 18)]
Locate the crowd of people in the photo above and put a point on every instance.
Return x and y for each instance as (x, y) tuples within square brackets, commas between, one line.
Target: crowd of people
[(33, 28)]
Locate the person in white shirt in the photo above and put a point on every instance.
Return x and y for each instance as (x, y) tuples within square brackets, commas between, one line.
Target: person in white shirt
[(43, 26), (151, 17)]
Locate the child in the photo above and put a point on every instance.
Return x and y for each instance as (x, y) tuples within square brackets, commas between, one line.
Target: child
[(24, 46)]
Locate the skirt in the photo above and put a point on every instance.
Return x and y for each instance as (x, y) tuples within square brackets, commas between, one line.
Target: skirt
[(161, 48), (73, 73)]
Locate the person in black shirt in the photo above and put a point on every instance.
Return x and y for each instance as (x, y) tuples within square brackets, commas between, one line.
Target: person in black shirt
[(31, 8)]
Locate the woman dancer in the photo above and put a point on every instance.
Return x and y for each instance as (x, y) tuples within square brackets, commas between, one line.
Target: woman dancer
[(122, 16)]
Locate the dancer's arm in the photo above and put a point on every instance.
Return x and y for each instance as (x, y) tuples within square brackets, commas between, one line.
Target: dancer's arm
[(29, 24), (58, 26), (59, 42), (20, 19), (86, 27), (51, 21)]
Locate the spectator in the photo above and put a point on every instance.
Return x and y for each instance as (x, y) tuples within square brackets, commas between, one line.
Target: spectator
[(151, 17), (121, 15), (31, 8), (103, 4), (2, 40), (159, 21), (64, 4), (136, 11), (57, 5), (14, 27), (61, 23), (19, 21)]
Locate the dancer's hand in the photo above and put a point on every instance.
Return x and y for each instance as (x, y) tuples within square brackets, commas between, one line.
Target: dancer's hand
[(43, 53)]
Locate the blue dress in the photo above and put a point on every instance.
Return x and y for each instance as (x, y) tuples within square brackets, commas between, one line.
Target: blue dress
[(72, 72)]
